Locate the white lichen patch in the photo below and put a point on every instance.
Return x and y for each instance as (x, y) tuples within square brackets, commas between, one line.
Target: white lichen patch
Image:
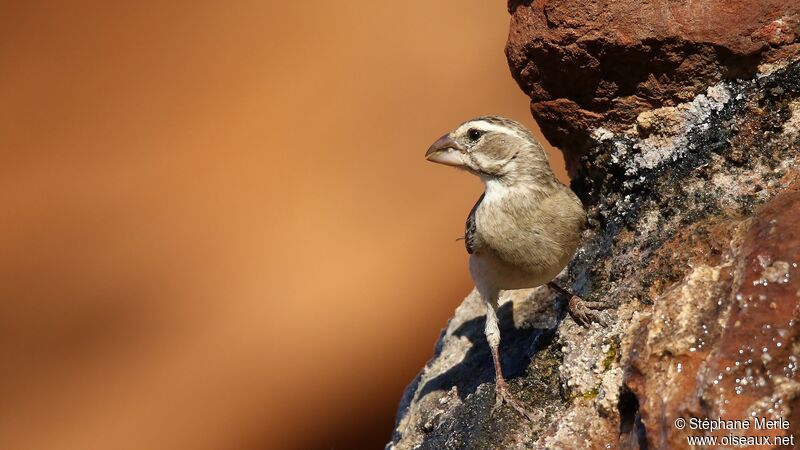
[(580, 361), (601, 134), (608, 395), (591, 369), (676, 327), (772, 272), (668, 130), (791, 128), (653, 151), (649, 222), (719, 94), (663, 131), (729, 187)]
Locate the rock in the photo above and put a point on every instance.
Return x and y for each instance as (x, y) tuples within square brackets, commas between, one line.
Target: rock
[(693, 209), (602, 63), (724, 341)]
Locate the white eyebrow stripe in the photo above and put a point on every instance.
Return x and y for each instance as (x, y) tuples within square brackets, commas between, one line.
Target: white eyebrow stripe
[(487, 126)]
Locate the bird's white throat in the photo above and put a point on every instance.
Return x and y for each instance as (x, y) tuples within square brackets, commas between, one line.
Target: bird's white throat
[(497, 190)]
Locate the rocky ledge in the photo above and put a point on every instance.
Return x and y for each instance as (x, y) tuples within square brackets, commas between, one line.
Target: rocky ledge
[(694, 209), (587, 64)]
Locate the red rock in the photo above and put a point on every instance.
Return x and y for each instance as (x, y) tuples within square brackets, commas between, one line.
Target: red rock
[(741, 334), (599, 63)]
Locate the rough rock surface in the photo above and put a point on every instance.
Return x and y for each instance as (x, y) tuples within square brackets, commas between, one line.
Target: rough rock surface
[(602, 62), (694, 208)]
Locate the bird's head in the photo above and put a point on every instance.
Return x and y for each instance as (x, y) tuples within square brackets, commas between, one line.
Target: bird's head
[(495, 148)]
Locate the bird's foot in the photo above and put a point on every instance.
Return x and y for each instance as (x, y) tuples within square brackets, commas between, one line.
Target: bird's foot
[(502, 395), (585, 313)]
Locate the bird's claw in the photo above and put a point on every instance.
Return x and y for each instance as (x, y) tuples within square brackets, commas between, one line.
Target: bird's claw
[(585, 313), (502, 395)]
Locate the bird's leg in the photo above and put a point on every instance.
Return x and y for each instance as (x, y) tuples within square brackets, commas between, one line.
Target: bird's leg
[(582, 312), (502, 393)]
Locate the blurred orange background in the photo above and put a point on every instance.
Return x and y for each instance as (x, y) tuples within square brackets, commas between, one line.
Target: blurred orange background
[(219, 229)]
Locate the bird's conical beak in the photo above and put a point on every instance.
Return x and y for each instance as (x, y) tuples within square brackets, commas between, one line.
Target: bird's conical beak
[(446, 151)]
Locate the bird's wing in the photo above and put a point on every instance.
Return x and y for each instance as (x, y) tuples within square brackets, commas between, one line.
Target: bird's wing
[(471, 238)]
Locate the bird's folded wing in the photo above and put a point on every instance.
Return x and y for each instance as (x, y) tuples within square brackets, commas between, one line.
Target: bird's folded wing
[(471, 237)]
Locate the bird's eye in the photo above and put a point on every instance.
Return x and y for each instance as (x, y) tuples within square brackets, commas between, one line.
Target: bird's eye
[(474, 134)]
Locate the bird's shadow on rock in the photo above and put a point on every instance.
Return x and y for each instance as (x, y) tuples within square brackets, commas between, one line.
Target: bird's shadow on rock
[(517, 348)]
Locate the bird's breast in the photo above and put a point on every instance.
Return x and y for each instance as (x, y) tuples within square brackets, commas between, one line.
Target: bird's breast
[(526, 237)]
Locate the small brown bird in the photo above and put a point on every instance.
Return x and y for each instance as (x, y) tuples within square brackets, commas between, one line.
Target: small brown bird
[(525, 227)]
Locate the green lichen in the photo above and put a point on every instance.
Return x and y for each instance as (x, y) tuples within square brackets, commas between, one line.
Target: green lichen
[(591, 394), (611, 355)]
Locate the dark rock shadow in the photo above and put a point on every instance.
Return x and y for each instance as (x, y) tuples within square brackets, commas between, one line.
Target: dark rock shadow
[(514, 4), (517, 348)]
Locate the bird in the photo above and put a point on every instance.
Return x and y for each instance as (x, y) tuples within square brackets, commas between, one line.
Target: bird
[(523, 230)]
